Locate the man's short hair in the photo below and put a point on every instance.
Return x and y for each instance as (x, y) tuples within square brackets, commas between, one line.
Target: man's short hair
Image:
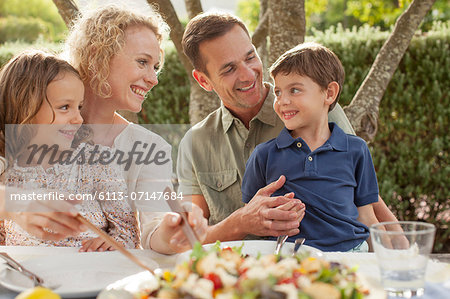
[(314, 61), (204, 27)]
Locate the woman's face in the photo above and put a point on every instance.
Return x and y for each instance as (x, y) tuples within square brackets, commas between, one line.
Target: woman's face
[(133, 69)]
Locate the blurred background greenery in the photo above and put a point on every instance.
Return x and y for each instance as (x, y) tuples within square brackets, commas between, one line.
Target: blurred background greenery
[(411, 149)]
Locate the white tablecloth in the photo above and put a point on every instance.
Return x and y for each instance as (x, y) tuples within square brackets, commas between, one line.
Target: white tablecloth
[(438, 273)]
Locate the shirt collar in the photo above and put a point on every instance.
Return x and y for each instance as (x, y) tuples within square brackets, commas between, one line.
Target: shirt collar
[(338, 139), (227, 117), (265, 115)]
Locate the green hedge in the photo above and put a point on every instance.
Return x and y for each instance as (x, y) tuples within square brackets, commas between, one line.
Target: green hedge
[(168, 102), (9, 49), (410, 151), (28, 29)]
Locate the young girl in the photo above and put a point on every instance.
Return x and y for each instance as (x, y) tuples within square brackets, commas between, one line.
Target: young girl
[(42, 95)]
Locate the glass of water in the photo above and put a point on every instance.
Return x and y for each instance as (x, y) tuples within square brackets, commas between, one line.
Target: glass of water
[(402, 250)]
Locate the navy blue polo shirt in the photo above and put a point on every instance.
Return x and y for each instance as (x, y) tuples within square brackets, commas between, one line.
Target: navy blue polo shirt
[(332, 182)]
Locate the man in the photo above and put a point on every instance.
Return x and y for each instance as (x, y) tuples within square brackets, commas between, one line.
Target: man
[(212, 155)]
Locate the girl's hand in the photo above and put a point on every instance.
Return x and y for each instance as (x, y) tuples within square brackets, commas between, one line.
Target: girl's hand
[(96, 244), (48, 220), (52, 226)]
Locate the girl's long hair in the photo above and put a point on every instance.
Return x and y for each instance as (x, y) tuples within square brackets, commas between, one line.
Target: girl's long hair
[(23, 90)]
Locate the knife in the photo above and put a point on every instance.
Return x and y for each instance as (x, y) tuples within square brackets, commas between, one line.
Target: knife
[(111, 241)]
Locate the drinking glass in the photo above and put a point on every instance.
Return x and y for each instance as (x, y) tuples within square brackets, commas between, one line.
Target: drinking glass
[(402, 249)]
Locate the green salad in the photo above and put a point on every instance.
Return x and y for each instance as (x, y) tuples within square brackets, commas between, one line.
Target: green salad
[(227, 273)]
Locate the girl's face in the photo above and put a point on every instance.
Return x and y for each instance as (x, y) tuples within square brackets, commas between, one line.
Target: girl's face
[(60, 117), (133, 69)]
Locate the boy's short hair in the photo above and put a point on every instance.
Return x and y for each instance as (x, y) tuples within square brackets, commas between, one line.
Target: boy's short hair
[(314, 61), (205, 27)]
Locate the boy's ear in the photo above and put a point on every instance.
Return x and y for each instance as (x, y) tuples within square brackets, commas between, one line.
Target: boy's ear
[(202, 80), (332, 92)]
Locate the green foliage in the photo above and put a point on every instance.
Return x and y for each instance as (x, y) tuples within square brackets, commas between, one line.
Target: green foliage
[(9, 49), (14, 28), (248, 11), (44, 10), (168, 102), (322, 14), (376, 12)]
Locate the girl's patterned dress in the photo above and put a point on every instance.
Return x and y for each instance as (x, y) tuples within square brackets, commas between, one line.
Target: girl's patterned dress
[(113, 216)]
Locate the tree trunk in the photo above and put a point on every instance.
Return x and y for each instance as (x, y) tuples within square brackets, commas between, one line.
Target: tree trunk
[(68, 11), (287, 26), (202, 102), (193, 7), (176, 29), (259, 37), (364, 107)]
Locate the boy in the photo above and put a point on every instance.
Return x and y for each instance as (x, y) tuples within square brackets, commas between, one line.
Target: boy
[(330, 171)]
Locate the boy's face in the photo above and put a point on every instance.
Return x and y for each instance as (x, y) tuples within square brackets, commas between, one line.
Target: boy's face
[(300, 102)]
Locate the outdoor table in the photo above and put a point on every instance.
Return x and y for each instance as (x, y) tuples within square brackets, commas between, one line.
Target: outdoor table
[(437, 277)]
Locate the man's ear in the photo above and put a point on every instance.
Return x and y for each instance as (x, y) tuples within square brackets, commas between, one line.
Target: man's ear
[(202, 80), (332, 92)]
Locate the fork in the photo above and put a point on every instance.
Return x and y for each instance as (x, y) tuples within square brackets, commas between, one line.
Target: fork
[(280, 243), (37, 281), (298, 243)]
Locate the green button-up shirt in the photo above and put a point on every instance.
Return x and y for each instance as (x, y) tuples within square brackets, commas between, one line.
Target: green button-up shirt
[(213, 153)]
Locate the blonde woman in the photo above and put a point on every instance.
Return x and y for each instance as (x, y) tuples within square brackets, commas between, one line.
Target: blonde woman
[(118, 54)]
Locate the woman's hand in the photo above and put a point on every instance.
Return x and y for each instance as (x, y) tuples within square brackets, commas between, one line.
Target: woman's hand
[(169, 237)]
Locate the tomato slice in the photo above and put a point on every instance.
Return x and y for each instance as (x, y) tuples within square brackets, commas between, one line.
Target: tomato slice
[(215, 280)]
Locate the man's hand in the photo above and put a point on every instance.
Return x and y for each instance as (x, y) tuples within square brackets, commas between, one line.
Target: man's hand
[(272, 216), (169, 237)]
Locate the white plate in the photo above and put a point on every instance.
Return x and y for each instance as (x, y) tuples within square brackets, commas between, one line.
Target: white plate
[(124, 288), (77, 275), (255, 247)]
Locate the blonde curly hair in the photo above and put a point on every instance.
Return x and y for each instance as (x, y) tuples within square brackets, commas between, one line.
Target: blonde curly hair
[(100, 34)]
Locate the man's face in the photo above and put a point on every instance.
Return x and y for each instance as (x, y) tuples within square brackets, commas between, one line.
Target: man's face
[(234, 71)]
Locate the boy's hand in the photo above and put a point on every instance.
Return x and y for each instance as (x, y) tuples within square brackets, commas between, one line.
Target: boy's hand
[(96, 244), (292, 206)]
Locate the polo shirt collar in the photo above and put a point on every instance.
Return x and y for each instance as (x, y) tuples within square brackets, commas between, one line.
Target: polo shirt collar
[(338, 139), (265, 115)]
